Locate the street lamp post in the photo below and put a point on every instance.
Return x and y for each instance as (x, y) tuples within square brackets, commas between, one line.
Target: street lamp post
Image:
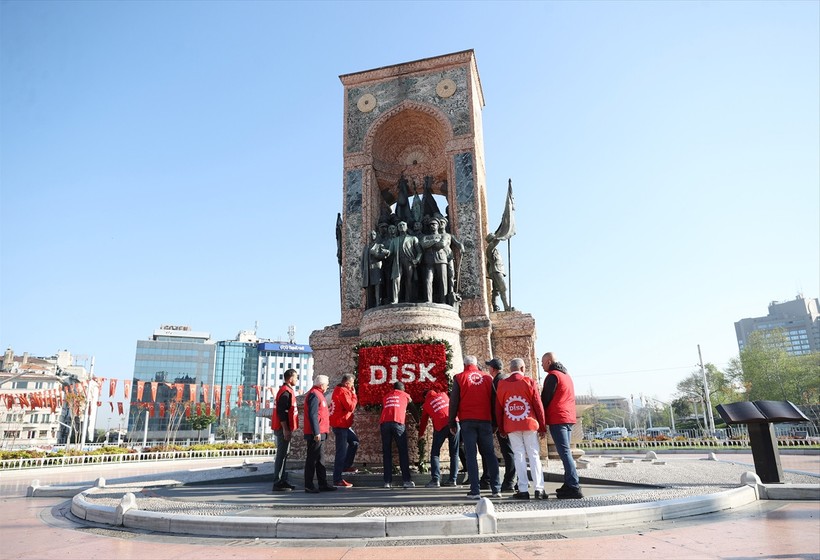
[(708, 398), (671, 412)]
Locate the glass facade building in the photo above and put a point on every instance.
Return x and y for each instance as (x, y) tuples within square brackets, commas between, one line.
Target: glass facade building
[(236, 374), (173, 355), (236, 379)]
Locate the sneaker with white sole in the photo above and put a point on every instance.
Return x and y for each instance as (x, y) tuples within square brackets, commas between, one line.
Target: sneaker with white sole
[(409, 484), (473, 496), (388, 485), (432, 484)]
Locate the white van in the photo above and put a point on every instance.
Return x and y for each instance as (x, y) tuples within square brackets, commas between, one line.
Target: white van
[(659, 431), (614, 433)]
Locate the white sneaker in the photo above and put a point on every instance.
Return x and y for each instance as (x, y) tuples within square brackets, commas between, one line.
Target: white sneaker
[(388, 485), (473, 496), (409, 484)]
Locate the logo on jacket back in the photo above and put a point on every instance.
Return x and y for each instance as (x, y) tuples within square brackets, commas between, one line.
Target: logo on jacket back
[(516, 408), (476, 378)]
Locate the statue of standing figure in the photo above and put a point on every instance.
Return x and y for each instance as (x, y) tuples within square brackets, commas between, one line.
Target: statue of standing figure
[(449, 240), (436, 246), (496, 273), (406, 253), (372, 257)]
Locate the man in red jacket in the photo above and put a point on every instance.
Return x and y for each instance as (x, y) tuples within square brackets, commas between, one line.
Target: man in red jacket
[(558, 398), (391, 423), (520, 417), (437, 407), (342, 405), (317, 426), (284, 421), (471, 404)]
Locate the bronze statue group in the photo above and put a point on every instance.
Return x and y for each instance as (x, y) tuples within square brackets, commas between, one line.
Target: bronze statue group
[(508, 404)]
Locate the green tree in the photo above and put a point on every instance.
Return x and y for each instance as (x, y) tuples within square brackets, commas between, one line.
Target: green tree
[(691, 394), (768, 372), (200, 422)]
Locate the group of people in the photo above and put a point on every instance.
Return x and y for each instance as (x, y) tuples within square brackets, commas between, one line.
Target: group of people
[(410, 265), (480, 404)]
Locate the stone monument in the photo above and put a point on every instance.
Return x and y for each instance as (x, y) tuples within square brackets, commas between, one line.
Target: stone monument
[(414, 168)]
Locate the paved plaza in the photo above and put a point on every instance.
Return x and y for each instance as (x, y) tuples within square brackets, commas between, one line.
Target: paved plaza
[(43, 527)]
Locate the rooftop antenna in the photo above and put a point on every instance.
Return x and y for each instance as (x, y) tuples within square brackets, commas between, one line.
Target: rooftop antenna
[(292, 334), (255, 327)]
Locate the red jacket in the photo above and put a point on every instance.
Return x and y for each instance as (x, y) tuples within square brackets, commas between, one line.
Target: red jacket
[(342, 405), (518, 405), (436, 406), (394, 407), (293, 413), (561, 409), (475, 394), (322, 416)]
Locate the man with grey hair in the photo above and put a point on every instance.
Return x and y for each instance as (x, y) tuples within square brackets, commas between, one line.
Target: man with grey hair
[(520, 417), (471, 401), (316, 427)]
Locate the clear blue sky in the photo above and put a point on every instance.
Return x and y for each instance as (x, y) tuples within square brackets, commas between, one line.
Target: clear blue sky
[(181, 162)]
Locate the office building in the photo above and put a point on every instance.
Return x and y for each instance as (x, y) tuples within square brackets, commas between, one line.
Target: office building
[(798, 320), (174, 355), (236, 380), (237, 376)]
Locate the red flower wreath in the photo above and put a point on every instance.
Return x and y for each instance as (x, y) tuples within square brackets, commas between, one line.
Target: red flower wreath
[(419, 366)]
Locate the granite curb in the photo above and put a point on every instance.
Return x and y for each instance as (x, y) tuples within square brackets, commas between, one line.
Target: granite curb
[(655, 490)]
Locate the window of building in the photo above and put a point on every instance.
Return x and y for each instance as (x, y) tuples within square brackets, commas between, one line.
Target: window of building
[(32, 434), (43, 434), (20, 385), (12, 434)]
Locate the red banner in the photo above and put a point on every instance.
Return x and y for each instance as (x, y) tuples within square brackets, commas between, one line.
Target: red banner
[(126, 387), (419, 366), (119, 408), (140, 389), (112, 387)]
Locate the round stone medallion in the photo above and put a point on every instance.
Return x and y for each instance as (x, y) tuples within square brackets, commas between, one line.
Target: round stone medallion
[(445, 88), (366, 103)]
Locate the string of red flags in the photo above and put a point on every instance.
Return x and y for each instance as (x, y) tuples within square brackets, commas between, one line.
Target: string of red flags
[(171, 400)]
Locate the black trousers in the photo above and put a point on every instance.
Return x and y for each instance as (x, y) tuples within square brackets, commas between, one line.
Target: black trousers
[(509, 463), (313, 463)]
